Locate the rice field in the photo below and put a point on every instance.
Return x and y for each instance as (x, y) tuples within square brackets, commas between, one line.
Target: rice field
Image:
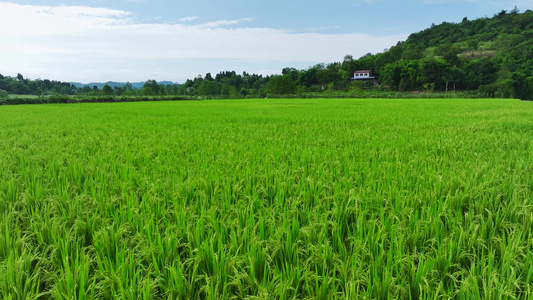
[(267, 199)]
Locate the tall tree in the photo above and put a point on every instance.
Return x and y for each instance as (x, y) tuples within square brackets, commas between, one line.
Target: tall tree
[(281, 85), (107, 90)]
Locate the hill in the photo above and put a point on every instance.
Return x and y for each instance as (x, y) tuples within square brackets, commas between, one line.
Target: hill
[(491, 55)]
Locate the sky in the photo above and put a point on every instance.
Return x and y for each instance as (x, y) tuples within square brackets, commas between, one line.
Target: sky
[(176, 40)]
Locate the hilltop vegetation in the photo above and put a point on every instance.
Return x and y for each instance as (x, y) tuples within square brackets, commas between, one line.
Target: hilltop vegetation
[(487, 57), (493, 56)]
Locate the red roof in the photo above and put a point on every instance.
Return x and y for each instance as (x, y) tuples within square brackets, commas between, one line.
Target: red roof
[(362, 71)]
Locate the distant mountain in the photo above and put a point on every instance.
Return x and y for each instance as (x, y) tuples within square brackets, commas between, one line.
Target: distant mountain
[(100, 85)]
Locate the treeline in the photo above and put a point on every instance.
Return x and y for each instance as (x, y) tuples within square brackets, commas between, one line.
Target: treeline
[(229, 84), (24, 86), (487, 57)]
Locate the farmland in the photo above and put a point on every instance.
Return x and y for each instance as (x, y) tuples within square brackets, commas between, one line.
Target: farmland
[(267, 199)]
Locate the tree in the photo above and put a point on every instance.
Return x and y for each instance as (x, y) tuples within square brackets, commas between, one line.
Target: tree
[(18, 87), (292, 72), (501, 13), (349, 65), (151, 88), (117, 90), (523, 85), (39, 92), (281, 85), (355, 89), (3, 95), (348, 58), (391, 74), (308, 77), (86, 89), (433, 70), (107, 90), (331, 74), (208, 88)]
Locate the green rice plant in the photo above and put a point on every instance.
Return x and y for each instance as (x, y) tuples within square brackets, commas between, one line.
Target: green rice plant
[(262, 199), (20, 276)]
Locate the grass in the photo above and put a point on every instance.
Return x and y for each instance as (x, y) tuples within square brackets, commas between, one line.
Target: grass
[(267, 199), (58, 98), (23, 96)]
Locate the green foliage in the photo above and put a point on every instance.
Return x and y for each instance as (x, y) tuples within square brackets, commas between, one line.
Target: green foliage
[(107, 90), (523, 85), (473, 55), (281, 85), (277, 199), (24, 86), (3, 95), (152, 88), (356, 89), (55, 98)]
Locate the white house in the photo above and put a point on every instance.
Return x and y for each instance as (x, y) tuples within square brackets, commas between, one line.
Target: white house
[(365, 75)]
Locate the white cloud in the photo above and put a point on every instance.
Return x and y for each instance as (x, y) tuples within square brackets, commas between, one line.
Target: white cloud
[(220, 23), (19, 20), (189, 19), (79, 42)]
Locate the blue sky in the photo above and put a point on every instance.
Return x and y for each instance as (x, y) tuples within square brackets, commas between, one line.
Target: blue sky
[(136, 40)]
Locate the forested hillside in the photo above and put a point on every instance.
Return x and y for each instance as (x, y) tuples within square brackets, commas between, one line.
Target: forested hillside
[(487, 57), (494, 56)]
